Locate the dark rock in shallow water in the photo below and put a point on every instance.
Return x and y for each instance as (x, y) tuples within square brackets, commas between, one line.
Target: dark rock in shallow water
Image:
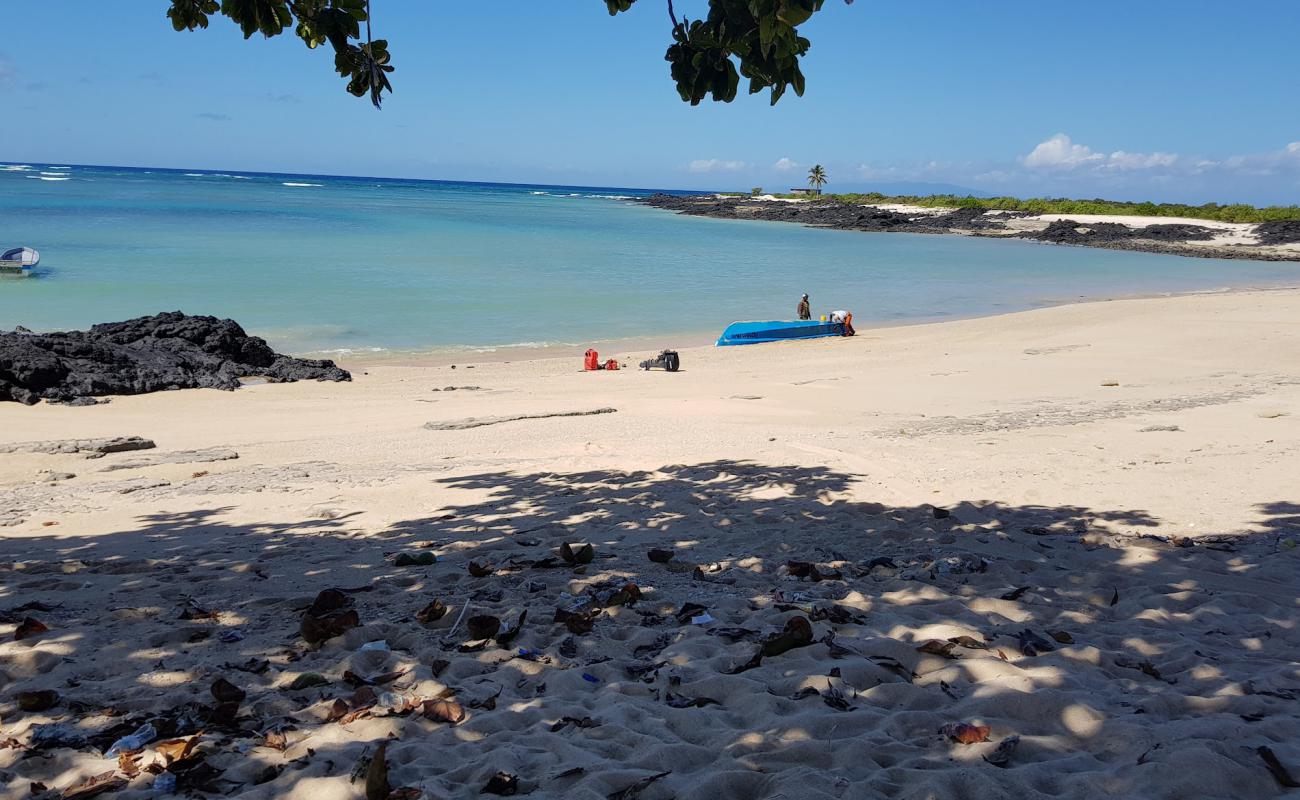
[(148, 354)]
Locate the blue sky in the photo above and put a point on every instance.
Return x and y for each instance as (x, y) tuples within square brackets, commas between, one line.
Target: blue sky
[(1170, 100)]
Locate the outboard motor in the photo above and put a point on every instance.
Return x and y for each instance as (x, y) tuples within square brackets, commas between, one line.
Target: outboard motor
[(666, 360)]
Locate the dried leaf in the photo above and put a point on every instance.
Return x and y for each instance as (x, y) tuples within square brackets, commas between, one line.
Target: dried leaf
[(478, 570), (338, 710), (798, 633), (1061, 637), (635, 789), (502, 783), (30, 626), (660, 555), (98, 784), (679, 701), (224, 714), (935, 647), (425, 559), (969, 642), (226, 692), (377, 774), (577, 553), (1015, 594), (1001, 755), (1275, 766), (835, 699), (307, 680), (444, 711), (431, 613), (42, 700), (128, 763), (316, 629), (1115, 597), (174, 750), (406, 793), (584, 722), (439, 666), (509, 630), (965, 733), (276, 740), (483, 626), (1031, 644)]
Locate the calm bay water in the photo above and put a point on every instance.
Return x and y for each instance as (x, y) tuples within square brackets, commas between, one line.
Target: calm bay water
[(319, 264)]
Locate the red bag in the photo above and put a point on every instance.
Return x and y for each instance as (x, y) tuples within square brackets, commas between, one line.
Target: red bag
[(611, 364), (591, 361)]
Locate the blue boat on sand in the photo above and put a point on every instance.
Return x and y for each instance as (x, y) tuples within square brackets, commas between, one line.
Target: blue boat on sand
[(778, 331)]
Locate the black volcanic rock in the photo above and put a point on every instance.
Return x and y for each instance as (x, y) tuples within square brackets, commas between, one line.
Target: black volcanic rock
[(147, 354), (1282, 231)]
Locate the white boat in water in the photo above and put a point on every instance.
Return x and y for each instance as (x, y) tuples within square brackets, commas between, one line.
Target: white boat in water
[(19, 260)]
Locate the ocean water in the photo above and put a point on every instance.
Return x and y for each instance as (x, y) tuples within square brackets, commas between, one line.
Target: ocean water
[(356, 265)]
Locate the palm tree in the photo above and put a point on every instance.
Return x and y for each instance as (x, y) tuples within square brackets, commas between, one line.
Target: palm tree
[(817, 177)]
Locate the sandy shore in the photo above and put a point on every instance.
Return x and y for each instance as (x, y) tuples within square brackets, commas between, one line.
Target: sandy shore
[(1110, 578)]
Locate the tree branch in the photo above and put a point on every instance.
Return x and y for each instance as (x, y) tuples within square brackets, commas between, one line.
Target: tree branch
[(673, 15)]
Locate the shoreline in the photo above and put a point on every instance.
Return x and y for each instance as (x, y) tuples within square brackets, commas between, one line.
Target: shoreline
[(639, 347), (1167, 236), (1075, 525)]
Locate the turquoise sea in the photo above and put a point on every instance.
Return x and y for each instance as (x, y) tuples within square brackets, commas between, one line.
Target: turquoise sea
[(349, 265)]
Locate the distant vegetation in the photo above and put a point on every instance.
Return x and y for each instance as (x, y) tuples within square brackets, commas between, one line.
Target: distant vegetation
[(817, 177), (1236, 212)]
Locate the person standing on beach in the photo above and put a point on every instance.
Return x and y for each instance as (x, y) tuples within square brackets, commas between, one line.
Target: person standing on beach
[(805, 311)]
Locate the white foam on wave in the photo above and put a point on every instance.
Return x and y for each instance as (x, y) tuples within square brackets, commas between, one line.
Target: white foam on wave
[(49, 178), (195, 175), (291, 183), (539, 192), (15, 168)]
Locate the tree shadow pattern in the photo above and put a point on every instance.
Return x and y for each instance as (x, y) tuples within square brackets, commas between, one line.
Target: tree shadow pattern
[(1128, 664)]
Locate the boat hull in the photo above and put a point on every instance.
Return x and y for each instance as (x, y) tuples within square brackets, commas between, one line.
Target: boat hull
[(738, 333)]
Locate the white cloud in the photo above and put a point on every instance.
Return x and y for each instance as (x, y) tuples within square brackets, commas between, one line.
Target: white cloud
[(789, 164), (1122, 160), (1059, 151), (1062, 153), (716, 165), (1294, 147)]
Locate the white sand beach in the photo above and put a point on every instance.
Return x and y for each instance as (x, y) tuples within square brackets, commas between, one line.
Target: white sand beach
[(1076, 526)]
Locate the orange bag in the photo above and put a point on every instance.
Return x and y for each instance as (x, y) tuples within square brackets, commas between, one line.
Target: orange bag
[(591, 361), (611, 364)]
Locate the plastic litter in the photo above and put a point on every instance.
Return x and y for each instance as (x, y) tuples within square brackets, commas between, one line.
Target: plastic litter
[(165, 783), (229, 637), (702, 619), (142, 736), (589, 678), (379, 645)]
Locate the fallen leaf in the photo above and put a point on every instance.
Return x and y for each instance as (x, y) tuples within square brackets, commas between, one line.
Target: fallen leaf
[(226, 692), (377, 774), (174, 750), (30, 626), (338, 710), (835, 699), (969, 642), (1001, 755), (679, 701), (425, 559), (502, 783), (406, 793), (1115, 597), (199, 474), (937, 648), (660, 556), (98, 784), (1061, 636), (128, 763), (1275, 766), (478, 570), (509, 630), (308, 680), (798, 632), (584, 722), (431, 613), (1015, 594), (483, 626), (42, 700), (444, 711), (316, 629), (965, 733), (1031, 644), (224, 714), (439, 666), (276, 740), (49, 523), (635, 789), (577, 553)]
